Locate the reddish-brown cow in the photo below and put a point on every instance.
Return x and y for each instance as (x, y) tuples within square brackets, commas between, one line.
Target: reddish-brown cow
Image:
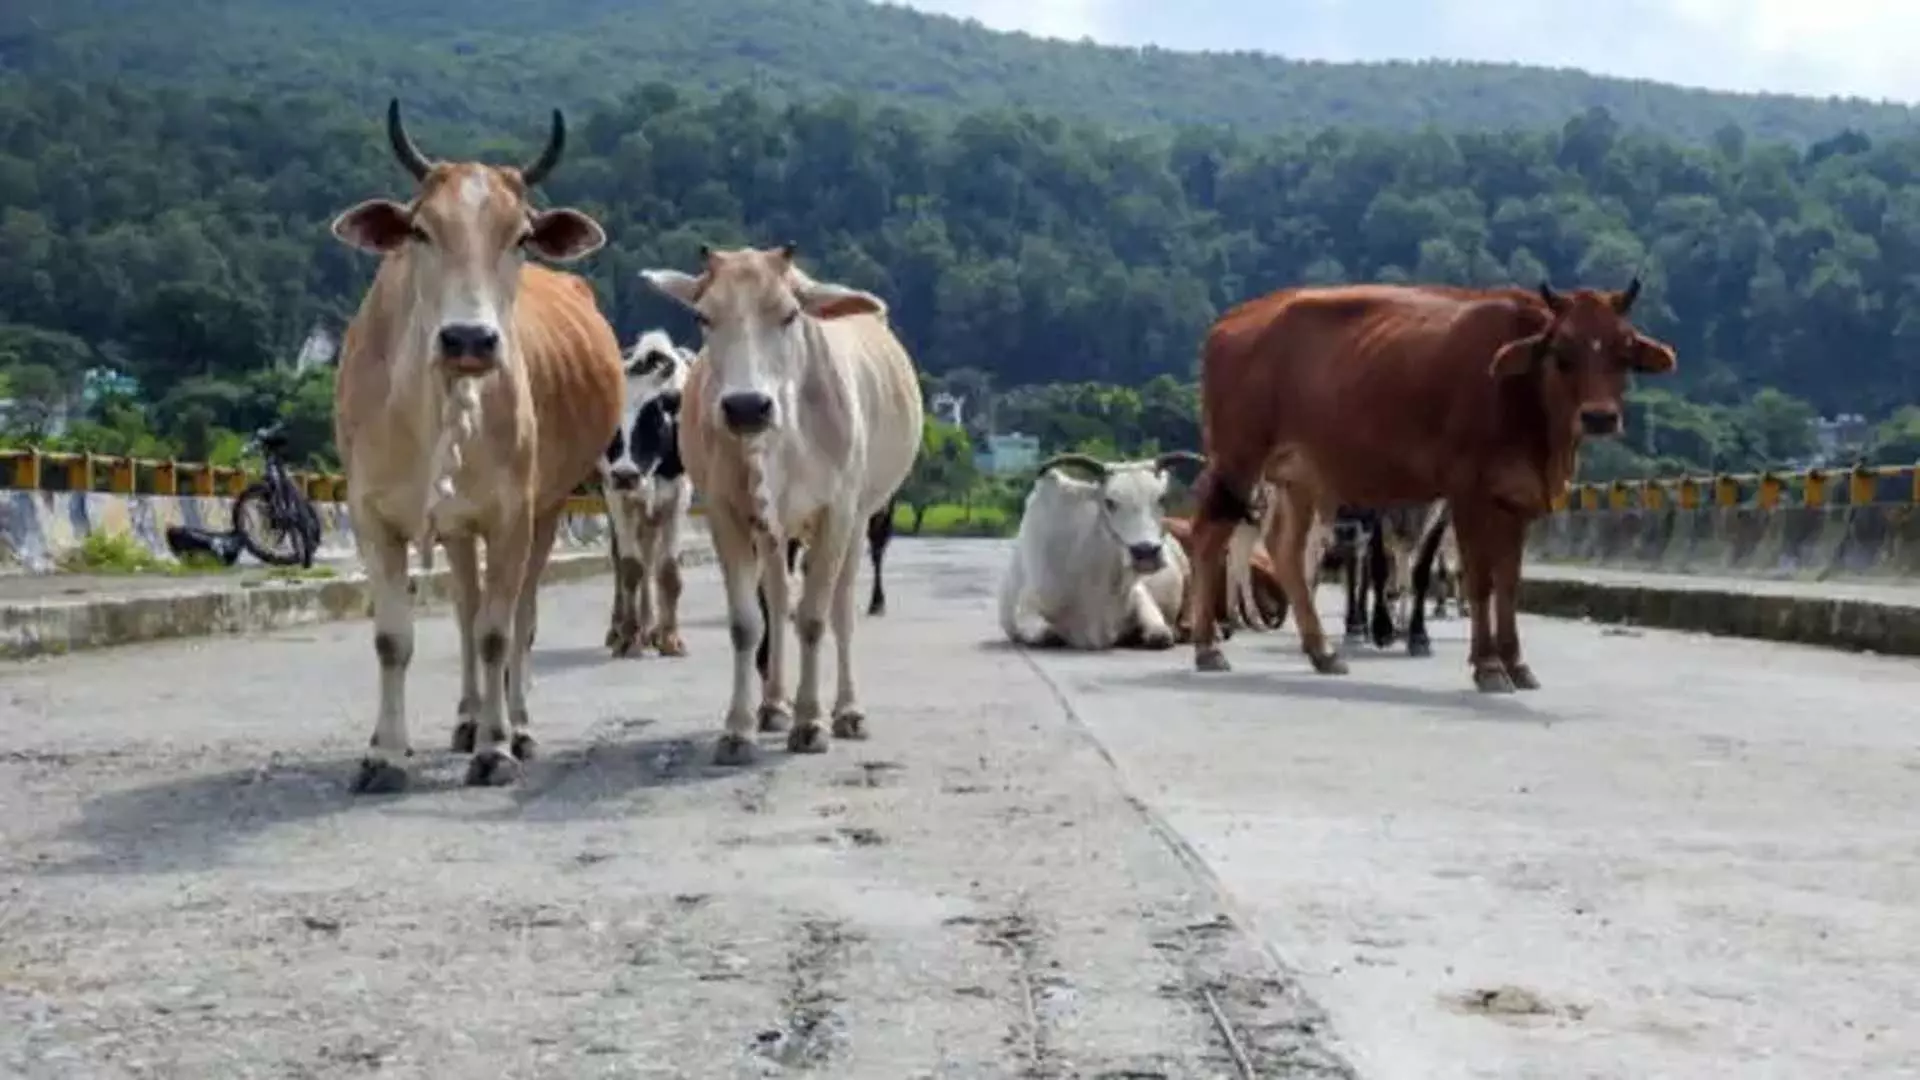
[(1377, 394)]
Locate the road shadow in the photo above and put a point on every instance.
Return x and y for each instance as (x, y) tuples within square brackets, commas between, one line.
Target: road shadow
[(554, 661), (192, 822), (1346, 689), (195, 822), (597, 778)]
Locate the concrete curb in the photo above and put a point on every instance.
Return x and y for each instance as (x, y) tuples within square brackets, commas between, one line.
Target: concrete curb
[(56, 627), (1889, 627)]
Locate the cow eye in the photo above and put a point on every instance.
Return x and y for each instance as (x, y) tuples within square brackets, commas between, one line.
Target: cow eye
[(790, 316), (1112, 503), (417, 234)]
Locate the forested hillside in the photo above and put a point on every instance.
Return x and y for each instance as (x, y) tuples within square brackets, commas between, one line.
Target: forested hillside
[(496, 61), (183, 238)]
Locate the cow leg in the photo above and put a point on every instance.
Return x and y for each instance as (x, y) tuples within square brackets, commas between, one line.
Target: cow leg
[(463, 567), (746, 626), (1381, 622), (849, 719), (1418, 643), (626, 584), (613, 546), (667, 580), (835, 553), (879, 533), (628, 569), (1290, 564), (1210, 538), (1508, 552), (776, 712), (493, 762), (1471, 531), (385, 557), (1356, 588), (526, 615), (645, 630), (1147, 626)]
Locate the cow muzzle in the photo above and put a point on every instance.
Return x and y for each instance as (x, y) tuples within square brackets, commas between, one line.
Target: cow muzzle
[(1147, 558), (747, 412), (1600, 423), (626, 479), (469, 348)]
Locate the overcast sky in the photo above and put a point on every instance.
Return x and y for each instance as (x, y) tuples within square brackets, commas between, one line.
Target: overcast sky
[(1869, 48)]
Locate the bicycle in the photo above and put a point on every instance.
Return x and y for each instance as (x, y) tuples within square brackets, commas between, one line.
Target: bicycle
[(284, 512)]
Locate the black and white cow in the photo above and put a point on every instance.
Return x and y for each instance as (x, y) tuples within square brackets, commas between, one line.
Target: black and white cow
[(647, 492)]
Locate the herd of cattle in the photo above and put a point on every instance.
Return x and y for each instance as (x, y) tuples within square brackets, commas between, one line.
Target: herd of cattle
[(1389, 430)]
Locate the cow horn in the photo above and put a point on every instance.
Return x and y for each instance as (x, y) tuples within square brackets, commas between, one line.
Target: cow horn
[(410, 156), (1082, 460), (556, 142), (1173, 457), (1625, 302), (1551, 298), (788, 250)]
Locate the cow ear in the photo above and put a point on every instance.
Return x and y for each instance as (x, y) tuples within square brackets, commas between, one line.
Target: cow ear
[(1516, 357), (674, 285), (824, 300), (565, 235), (376, 226), (1652, 357)]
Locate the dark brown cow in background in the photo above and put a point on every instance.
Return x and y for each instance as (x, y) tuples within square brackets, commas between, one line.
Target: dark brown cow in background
[(1372, 395)]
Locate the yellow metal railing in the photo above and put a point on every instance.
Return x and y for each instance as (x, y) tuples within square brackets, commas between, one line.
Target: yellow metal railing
[(35, 470), (1770, 490)]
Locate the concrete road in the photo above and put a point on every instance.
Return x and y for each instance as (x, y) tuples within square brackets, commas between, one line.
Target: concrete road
[(187, 889), (1683, 858)]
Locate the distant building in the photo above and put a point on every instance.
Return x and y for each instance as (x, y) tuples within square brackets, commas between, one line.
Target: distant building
[(1010, 453), (1840, 439)]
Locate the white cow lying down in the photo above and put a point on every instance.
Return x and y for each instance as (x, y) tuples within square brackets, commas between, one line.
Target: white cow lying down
[(1092, 563)]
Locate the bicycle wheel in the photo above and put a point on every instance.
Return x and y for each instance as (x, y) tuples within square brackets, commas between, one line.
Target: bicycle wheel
[(274, 542)]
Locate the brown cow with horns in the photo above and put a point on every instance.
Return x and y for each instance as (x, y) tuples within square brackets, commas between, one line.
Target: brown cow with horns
[(1379, 394), (475, 391)]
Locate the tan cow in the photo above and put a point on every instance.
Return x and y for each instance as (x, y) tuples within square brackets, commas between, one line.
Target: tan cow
[(475, 392), (802, 421)]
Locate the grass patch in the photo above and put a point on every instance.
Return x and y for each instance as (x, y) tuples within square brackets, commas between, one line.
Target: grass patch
[(950, 519), (120, 553)]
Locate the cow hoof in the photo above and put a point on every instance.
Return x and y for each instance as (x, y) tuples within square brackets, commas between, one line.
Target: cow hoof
[(492, 767), (524, 746), (463, 735), (1523, 677), (1492, 680), (1157, 640), (613, 636), (850, 724), (733, 750), (877, 609), (625, 645), (377, 777), (809, 737), (1327, 663), (1419, 646), (669, 643), (1356, 636), (1211, 660), (775, 718)]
